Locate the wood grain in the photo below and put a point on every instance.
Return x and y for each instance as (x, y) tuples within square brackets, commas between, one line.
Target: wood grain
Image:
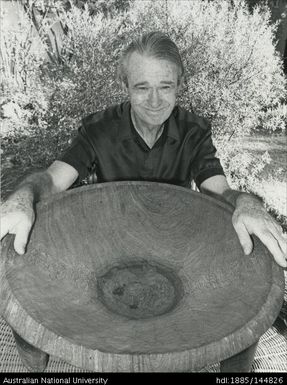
[(49, 296)]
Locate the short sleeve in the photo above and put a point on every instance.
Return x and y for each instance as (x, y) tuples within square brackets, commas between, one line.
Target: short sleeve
[(206, 163), (81, 154)]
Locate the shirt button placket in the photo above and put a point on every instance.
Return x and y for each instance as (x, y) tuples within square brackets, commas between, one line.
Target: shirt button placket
[(149, 163), (146, 170)]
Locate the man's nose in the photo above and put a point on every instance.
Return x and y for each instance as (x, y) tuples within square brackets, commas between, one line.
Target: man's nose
[(154, 98)]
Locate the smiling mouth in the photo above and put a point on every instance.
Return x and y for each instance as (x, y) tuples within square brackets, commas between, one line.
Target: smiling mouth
[(155, 111)]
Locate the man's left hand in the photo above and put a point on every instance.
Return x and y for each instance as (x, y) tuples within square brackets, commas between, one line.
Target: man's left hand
[(250, 217)]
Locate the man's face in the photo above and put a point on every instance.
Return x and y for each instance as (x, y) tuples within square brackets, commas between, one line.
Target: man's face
[(152, 87)]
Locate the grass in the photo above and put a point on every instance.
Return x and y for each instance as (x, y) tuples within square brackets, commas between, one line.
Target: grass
[(276, 146), (273, 178)]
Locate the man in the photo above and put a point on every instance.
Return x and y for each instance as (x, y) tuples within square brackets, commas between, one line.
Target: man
[(148, 138)]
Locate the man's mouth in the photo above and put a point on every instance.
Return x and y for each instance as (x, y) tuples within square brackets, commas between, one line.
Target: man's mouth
[(155, 111)]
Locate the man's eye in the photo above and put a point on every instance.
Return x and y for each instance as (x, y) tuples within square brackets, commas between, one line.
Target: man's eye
[(142, 88), (166, 88)]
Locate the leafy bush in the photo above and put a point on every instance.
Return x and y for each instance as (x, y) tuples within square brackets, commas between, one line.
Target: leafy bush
[(233, 75), (22, 102), (106, 7)]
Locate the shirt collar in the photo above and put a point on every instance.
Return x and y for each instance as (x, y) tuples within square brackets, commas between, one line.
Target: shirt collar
[(126, 131)]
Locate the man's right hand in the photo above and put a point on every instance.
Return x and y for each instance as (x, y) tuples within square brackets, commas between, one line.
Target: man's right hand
[(17, 217), (17, 213)]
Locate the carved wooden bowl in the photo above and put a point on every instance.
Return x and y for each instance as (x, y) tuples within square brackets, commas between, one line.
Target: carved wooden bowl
[(138, 276)]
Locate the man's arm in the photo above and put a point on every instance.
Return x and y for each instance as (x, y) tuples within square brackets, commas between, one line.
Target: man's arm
[(249, 217), (17, 212)]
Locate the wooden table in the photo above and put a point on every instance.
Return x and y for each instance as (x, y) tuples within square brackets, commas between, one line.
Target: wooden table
[(135, 277)]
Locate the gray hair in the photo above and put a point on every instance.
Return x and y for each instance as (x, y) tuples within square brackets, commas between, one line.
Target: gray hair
[(154, 44)]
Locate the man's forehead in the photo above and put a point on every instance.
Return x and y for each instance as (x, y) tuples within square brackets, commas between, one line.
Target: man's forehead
[(141, 65)]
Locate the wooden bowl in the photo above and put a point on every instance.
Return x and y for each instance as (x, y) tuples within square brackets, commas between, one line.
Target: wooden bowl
[(138, 276)]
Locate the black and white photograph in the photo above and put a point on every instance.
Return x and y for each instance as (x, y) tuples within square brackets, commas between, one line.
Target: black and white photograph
[(143, 191)]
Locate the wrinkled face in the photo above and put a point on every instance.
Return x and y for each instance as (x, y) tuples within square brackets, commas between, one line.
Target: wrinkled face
[(152, 87)]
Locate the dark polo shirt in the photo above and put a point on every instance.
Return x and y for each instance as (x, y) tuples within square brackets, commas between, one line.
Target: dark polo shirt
[(108, 141)]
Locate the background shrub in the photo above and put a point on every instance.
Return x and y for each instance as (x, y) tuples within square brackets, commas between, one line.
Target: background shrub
[(234, 77)]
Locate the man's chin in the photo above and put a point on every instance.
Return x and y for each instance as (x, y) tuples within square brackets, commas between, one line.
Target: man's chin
[(157, 119), (151, 118)]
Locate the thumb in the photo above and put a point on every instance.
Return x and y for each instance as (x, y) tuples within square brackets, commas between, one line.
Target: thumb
[(21, 238), (244, 237), (4, 229)]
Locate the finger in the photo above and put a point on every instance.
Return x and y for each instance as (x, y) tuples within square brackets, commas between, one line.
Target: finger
[(9, 223), (21, 238), (244, 237), (276, 229), (281, 239), (283, 245), (4, 228), (274, 247)]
